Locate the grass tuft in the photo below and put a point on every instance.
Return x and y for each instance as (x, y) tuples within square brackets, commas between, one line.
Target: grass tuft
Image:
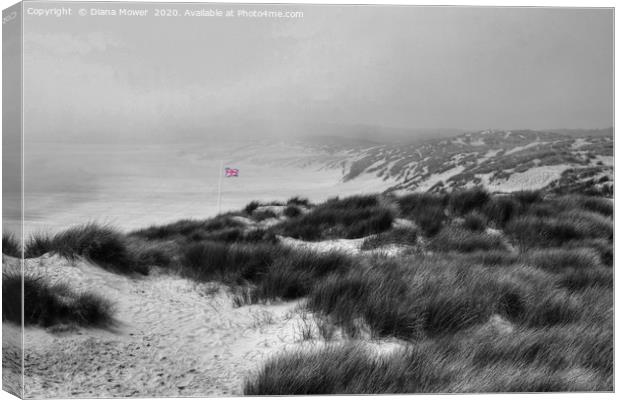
[(39, 244), (10, 245), (348, 369), (559, 259), (102, 245), (427, 210), (398, 236), (475, 221), (463, 201), (275, 272), (298, 201), (292, 211), (351, 217), (231, 264), (455, 238), (501, 209), (251, 207), (46, 304), (552, 231)]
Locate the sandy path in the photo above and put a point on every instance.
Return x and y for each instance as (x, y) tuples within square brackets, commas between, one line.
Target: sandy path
[(348, 246), (11, 360), (174, 338)]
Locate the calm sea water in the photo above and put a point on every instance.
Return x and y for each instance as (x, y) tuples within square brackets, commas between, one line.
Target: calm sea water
[(133, 186)]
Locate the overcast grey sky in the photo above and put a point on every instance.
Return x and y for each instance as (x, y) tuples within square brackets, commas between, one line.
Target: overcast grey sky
[(404, 67)]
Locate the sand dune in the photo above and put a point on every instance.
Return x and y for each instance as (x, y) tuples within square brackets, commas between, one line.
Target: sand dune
[(173, 338), (348, 246)]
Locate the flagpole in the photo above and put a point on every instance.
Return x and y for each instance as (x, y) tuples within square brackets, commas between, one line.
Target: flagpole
[(219, 187)]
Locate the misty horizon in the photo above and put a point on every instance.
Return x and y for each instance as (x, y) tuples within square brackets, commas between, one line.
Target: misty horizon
[(267, 130)]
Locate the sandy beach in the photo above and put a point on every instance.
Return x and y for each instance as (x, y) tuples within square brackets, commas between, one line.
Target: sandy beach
[(172, 337)]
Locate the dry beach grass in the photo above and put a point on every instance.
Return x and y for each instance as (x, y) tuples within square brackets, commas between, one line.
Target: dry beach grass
[(494, 293)]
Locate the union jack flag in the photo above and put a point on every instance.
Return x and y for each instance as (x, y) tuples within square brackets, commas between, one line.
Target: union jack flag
[(231, 172)]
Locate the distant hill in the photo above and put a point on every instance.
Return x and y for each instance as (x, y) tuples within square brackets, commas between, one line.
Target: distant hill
[(501, 160)]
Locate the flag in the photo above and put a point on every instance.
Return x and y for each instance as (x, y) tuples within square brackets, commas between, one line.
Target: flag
[(231, 172)]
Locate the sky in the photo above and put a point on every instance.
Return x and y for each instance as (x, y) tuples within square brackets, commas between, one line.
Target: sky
[(105, 78)]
